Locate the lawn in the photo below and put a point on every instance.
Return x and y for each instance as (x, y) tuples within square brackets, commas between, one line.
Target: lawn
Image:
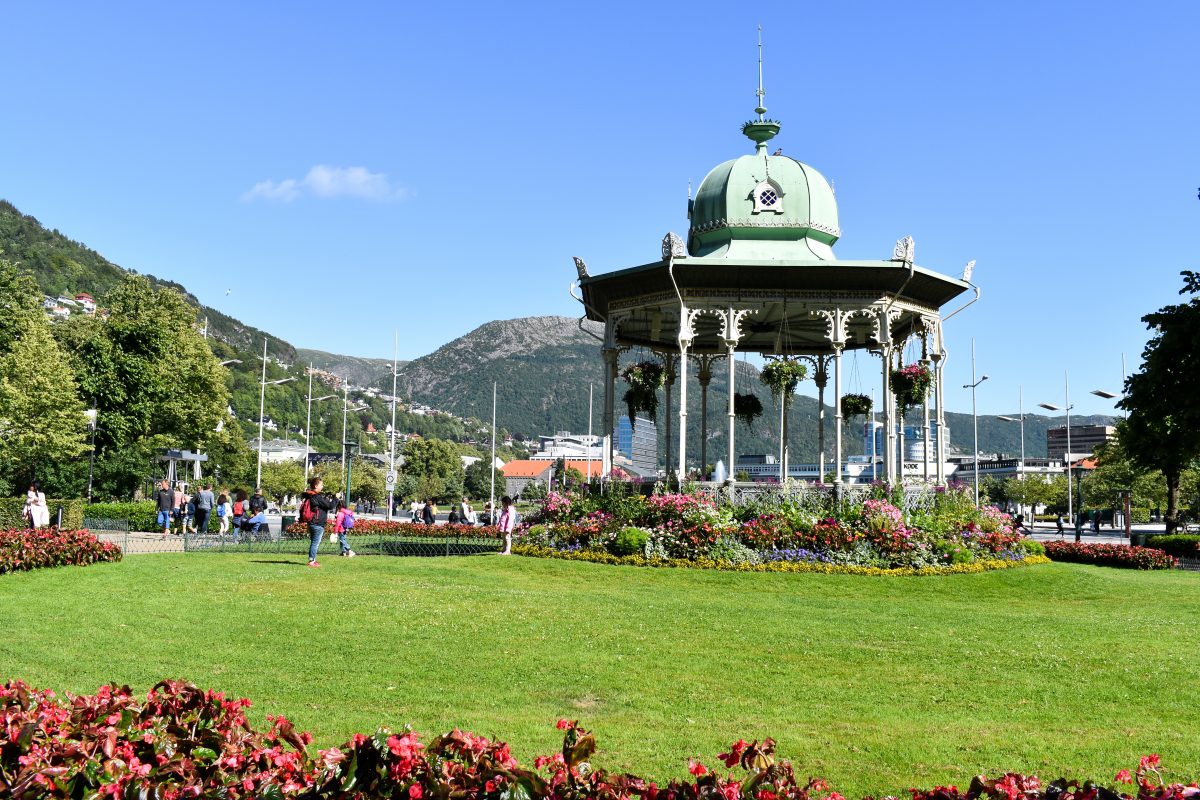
[(876, 684)]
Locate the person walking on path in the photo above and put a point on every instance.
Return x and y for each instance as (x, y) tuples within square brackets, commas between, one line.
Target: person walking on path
[(427, 513), (165, 503), (204, 505), (181, 500), (508, 521), (465, 513), (224, 511), (1059, 522), (314, 512), (36, 512), (343, 523)]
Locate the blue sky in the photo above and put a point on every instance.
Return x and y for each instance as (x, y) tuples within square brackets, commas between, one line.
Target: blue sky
[(349, 169)]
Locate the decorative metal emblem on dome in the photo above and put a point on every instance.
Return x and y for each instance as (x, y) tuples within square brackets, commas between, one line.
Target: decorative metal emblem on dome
[(580, 267), (904, 250), (767, 196), (672, 247)]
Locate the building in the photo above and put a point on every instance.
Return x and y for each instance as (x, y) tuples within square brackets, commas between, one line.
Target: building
[(569, 445), (278, 450), (1084, 440), (519, 474), (87, 302), (637, 443)]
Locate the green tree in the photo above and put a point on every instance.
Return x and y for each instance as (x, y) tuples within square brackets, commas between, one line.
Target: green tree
[(330, 472), (478, 479), (436, 466), (282, 478), (1163, 428), (20, 304), (41, 416), (153, 379), (367, 480)]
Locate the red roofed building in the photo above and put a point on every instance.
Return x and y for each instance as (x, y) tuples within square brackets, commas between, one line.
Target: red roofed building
[(519, 474)]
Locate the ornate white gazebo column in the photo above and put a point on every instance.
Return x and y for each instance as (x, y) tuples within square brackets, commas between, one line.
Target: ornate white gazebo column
[(731, 333), (704, 364), (685, 336), (610, 355), (668, 360), (939, 368)]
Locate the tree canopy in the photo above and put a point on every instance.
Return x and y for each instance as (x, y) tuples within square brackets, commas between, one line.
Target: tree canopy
[(1163, 398)]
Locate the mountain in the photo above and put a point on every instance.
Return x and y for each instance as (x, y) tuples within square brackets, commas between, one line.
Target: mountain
[(375, 372), (64, 266)]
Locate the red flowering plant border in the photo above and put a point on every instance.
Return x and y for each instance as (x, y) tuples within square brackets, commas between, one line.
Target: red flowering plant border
[(50, 547), (182, 742), (1110, 555)]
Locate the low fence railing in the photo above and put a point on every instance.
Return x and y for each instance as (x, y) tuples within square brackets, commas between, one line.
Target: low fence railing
[(366, 544)]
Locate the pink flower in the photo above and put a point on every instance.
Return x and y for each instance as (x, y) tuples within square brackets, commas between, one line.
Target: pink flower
[(1124, 777), (696, 768), (415, 791)]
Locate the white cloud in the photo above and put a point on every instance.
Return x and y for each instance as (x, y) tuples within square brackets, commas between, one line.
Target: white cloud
[(326, 181)]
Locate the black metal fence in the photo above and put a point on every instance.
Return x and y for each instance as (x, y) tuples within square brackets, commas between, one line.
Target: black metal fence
[(366, 544)]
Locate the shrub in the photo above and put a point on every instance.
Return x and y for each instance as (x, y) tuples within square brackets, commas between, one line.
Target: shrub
[(49, 547), (141, 517), (11, 517), (1032, 547), (730, 550), (1109, 555), (629, 542), (1180, 545), (182, 742)]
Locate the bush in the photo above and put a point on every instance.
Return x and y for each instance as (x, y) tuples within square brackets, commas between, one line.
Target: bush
[(22, 550), (1180, 545), (1032, 547), (183, 742), (11, 517), (730, 550), (630, 542), (142, 517), (1110, 555)]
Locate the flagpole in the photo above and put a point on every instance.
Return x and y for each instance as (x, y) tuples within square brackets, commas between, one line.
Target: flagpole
[(392, 427), (492, 466)]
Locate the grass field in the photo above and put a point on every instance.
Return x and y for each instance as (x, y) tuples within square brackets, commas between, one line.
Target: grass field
[(876, 684)]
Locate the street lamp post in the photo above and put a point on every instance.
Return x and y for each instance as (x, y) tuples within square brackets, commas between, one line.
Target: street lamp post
[(308, 423), (975, 418), (1021, 419), (346, 409), (262, 402), (1067, 459)]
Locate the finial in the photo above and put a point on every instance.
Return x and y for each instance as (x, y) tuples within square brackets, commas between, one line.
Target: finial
[(762, 109), (761, 130)]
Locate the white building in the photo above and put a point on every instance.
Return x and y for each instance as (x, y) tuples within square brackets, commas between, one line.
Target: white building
[(279, 450)]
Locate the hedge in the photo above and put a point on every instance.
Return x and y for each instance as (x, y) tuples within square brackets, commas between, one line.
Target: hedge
[(142, 517), (1180, 545), (182, 742), (11, 517)]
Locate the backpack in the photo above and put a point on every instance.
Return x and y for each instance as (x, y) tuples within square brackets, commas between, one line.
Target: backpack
[(221, 510), (238, 508), (307, 514), (348, 521)]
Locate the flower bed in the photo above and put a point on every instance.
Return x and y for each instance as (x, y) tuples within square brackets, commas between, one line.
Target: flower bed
[(50, 547), (398, 529), (874, 535), (1110, 555), (182, 742)]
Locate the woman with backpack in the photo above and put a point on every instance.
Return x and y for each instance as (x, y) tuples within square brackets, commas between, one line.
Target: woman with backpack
[(343, 523), (239, 510), (314, 512), (224, 512)]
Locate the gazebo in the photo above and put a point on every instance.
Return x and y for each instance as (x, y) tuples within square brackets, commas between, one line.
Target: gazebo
[(758, 274)]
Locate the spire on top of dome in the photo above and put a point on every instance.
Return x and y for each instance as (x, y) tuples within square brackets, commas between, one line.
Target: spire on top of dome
[(762, 130)]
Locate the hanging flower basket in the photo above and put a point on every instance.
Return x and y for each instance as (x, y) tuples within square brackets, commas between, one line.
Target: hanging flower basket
[(910, 385), (747, 408), (854, 405), (645, 378), (782, 375)]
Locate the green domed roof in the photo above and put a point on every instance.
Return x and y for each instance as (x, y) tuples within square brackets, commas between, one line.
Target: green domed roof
[(764, 207)]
